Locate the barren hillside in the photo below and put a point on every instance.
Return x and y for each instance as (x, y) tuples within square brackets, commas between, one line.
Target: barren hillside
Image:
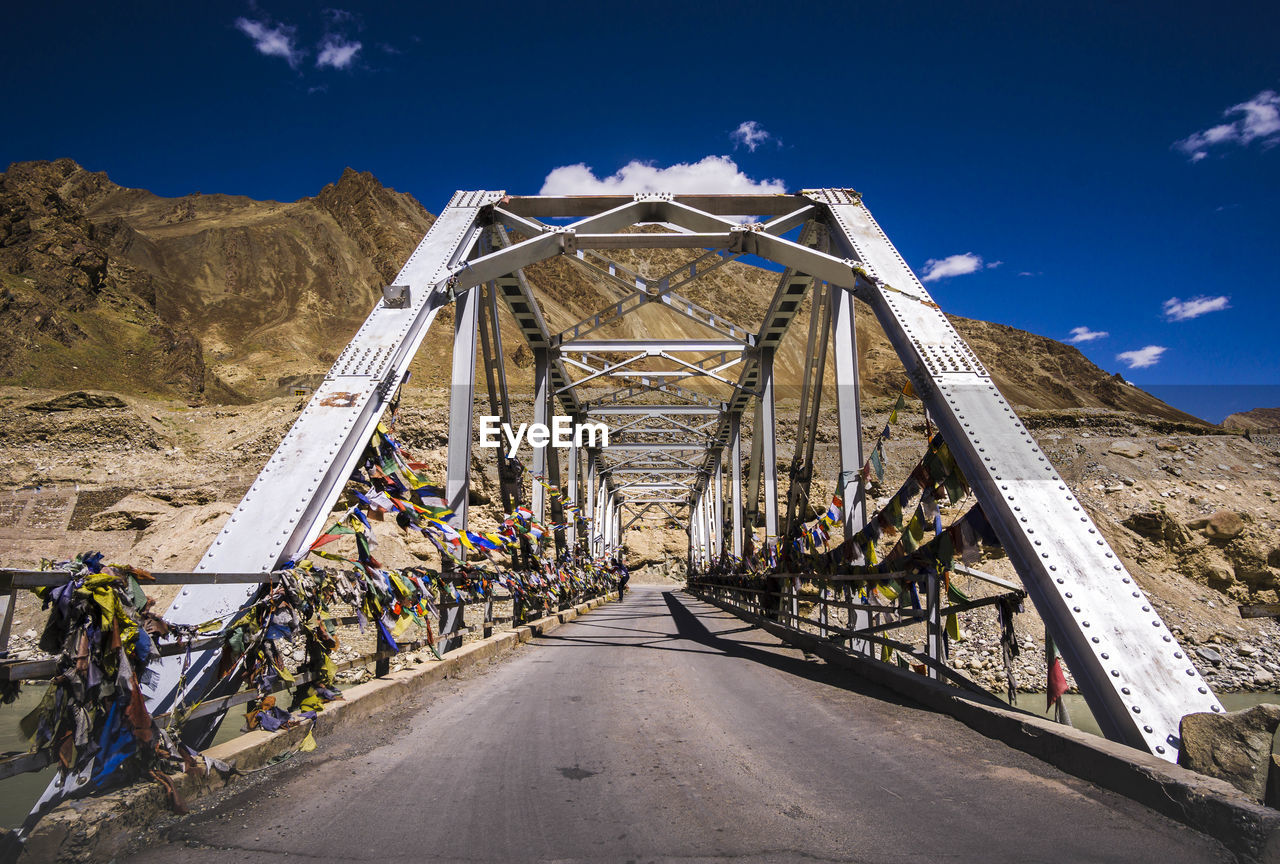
[(227, 299)]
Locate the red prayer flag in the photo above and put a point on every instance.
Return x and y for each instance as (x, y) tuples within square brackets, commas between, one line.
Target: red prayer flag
[(1057, 684)]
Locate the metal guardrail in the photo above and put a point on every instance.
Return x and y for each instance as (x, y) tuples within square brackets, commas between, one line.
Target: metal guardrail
[(857, 632), (12, 580)]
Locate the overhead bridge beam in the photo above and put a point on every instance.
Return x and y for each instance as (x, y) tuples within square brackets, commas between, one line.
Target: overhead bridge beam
[(584, 346)]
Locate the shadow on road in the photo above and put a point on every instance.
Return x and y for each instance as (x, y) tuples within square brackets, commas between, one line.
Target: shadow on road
[(693, 636), (690, 627)]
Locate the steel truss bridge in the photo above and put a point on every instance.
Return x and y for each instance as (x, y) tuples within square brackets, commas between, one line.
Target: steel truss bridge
[(677, 452)]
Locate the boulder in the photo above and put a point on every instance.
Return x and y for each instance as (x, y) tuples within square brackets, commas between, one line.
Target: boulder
[(1224, 525), (1235, 747), (1273, 557), (1220, 576), (1158, 525), (1209, 654), (1128, 449), (78, 399)]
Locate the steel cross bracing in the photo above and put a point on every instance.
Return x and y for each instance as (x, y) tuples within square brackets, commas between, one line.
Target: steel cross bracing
[(667, 460)]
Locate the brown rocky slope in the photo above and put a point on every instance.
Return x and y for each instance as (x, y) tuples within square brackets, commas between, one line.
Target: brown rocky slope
[(227, 299)]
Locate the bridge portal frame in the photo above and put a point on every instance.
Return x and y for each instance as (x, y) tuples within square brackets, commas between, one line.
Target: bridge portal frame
[(1135, 676)]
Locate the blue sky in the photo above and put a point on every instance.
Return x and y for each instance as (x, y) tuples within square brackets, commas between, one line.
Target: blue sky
[(1090, 165)]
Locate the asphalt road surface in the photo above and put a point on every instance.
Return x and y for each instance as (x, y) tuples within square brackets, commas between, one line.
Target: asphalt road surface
[(662, 729)]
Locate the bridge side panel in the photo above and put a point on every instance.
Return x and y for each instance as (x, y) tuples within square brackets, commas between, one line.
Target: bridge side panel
[(1135, 676), (288, 503)]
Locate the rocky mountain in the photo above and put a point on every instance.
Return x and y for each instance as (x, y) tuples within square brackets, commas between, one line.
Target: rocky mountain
[(222, 298), (1257, 419)]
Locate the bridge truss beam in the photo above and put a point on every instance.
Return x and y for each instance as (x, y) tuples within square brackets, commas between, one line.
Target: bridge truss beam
[(1132, 671)]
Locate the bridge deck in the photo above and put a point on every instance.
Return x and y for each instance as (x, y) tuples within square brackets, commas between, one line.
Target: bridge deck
[(663, 729)]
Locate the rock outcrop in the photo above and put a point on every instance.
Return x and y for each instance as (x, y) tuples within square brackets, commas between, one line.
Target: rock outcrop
[(1235, 747)]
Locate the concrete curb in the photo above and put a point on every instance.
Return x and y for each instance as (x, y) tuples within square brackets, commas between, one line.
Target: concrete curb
[(1211, 806), (100, 827)]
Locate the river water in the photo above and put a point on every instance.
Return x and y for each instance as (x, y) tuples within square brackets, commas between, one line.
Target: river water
[(18, 794)]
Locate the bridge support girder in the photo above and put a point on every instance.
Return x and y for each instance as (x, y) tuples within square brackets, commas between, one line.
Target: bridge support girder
[(1136, 677)]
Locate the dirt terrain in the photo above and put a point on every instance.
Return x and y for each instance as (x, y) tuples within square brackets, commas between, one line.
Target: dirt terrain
[(1191, 510)]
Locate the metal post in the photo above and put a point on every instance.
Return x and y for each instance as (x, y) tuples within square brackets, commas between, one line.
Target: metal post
[(700, 531), (708, 529), (573, 496), (717, 511), (754, 474), (848, 406), (495, 379), (767, 432), (815, 364), (556, 505), (617, 526), (462, 396), (602, 514), (541, 405), (735, 496), (608, 524), (933, 616), (689, 556)]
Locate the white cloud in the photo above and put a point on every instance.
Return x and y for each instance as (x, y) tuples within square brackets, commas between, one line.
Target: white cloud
[(710, 174), (750, 134), (1185, 310), (1143, 357), (1258, 119), (1084, 334), (273, 41), (336, 52), (953, 265)]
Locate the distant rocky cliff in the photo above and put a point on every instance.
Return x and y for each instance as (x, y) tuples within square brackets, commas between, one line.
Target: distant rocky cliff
[(1259, 419)]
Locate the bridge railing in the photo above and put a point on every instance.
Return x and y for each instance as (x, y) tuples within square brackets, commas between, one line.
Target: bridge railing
[(41, 670), (884, 624)]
